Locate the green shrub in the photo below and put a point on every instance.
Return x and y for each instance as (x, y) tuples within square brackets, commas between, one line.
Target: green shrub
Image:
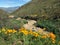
[(49, 25), (15, 24)]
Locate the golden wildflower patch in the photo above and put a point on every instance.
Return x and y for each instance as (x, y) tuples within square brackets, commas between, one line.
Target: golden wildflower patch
[(29, 34)]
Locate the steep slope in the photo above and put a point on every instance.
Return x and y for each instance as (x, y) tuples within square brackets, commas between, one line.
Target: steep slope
[(46, 9), (3, 13), (3, 17)]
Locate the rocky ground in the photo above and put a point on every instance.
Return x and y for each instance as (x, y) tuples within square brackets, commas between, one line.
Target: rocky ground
[(30, 26)]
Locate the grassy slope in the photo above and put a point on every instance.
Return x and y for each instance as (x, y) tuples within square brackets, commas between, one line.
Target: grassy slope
[(3, 17), (3, 12), (41, 8)]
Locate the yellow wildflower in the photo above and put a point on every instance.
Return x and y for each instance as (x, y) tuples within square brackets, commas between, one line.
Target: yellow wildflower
[(35, 34), (9, 31), (52, 36), (24, 32), (14, 31), (31, 32), (44, 36)]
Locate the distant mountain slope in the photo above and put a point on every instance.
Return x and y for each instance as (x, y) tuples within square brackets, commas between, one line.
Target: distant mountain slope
[(3, 18), (42, 8), (3, 14), (9, 9)]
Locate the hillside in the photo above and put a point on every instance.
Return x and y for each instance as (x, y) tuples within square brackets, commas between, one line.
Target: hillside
[(44, 9), (3, 17), (3, 14)]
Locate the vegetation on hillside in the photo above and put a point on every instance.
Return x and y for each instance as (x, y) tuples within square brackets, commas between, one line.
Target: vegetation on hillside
[(6, 20), (42, 9), (3, 17)]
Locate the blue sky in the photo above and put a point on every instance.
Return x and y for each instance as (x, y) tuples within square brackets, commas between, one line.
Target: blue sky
[(12, 3)]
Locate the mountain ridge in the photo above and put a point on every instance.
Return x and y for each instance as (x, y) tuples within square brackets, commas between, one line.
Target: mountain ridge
[(9, 9)]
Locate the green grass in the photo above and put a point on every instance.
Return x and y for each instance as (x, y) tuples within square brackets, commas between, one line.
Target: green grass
[(15, 24)]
